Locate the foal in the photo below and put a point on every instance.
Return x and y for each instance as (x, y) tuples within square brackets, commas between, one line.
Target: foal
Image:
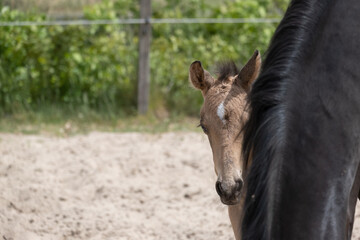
[(222, 117)]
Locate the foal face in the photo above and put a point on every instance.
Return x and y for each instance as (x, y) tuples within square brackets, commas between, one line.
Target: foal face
[(222, 118)]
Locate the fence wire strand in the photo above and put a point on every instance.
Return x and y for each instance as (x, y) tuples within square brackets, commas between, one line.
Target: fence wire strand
[(141, 21)]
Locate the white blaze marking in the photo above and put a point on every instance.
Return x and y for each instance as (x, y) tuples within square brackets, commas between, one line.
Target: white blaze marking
[(221, 112)]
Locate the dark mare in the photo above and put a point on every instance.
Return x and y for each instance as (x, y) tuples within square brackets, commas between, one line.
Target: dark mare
[(303, 135)]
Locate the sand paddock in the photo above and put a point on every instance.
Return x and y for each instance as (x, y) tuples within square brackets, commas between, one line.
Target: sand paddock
[(110, 186)]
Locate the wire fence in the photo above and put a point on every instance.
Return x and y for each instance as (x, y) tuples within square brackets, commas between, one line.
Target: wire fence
[(145, 23), (141, 21)]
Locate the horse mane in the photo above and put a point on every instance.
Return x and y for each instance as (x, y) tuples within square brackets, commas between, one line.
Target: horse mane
[(225, 69), (265, 130)]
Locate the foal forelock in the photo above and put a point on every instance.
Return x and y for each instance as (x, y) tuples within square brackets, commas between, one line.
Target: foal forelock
[(226, 69)]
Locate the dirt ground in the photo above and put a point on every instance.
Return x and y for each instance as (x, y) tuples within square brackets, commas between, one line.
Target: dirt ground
[(110, 186)]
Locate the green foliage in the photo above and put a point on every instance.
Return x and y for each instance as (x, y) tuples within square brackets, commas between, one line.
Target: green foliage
[(75, 66), (175, 46), (95, 67)]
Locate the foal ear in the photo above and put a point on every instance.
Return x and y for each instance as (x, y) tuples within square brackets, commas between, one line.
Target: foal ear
[(200, 78), (249, 72)]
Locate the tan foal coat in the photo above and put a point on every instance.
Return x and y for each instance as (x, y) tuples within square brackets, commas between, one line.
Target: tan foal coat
[(223, 116)]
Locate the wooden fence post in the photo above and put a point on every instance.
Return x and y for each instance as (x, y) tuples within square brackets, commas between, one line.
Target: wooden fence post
[(144, 60)]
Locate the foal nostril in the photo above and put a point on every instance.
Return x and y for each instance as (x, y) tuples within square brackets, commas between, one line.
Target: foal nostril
[(239, 185), (219, 189)]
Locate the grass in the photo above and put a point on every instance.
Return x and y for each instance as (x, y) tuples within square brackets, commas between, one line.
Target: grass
[(60, 123)]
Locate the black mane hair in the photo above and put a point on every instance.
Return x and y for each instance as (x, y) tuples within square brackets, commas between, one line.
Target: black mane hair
[(226, 69), (266, 129)]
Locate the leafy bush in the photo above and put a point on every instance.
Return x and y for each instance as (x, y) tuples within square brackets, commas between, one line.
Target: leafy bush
[(95, 67)]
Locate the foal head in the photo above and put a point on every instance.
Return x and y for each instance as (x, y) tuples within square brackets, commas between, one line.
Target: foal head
[(223, 115)]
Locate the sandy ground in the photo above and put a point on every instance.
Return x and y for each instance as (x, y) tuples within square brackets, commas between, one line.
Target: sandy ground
[(110, 186)]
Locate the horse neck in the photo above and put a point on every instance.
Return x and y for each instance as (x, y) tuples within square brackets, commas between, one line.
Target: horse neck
[(309, 181)]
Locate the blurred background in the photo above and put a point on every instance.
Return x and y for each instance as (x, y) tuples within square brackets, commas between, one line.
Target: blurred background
[(135, 174), (86, 76)]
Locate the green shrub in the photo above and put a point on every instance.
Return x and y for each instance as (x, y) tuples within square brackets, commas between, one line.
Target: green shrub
[(95, 67)]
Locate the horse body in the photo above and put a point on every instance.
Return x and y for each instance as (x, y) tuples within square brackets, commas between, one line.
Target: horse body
[(303, 133)]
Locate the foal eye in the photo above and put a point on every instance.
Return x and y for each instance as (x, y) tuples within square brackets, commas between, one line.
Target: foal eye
[(203, 128)]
